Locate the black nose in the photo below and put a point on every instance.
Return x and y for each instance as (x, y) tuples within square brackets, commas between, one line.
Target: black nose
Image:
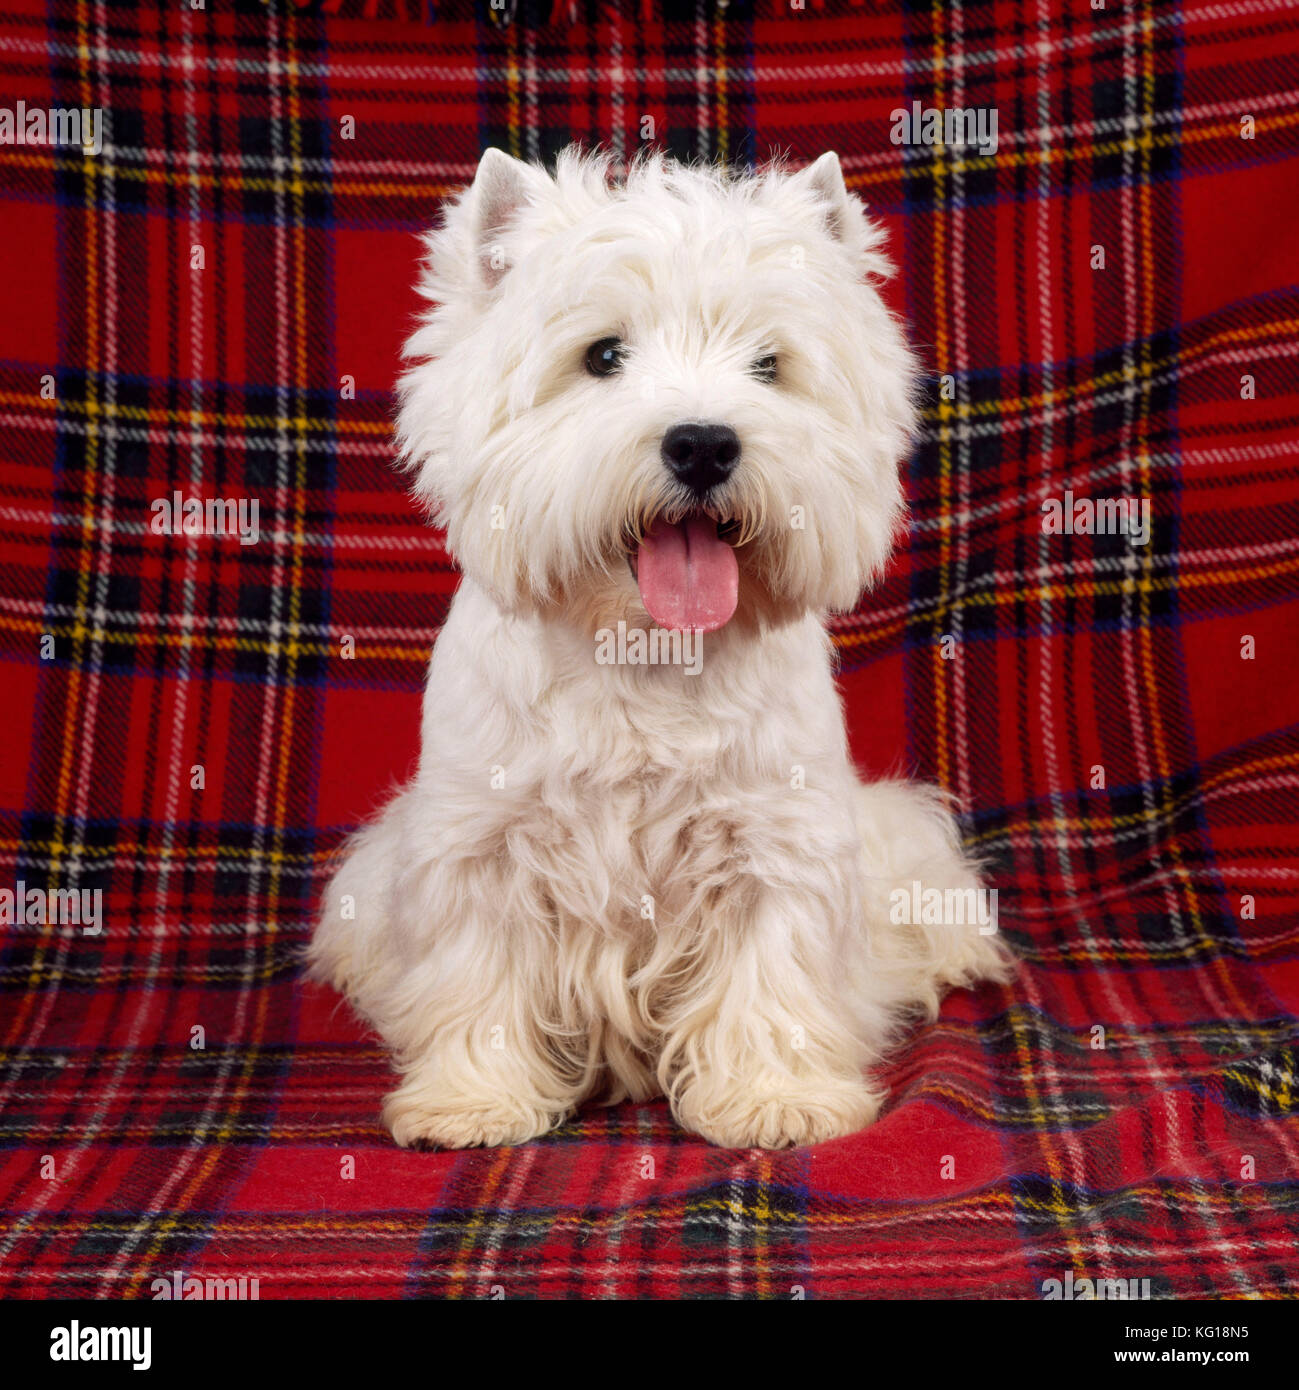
[(701, 455)]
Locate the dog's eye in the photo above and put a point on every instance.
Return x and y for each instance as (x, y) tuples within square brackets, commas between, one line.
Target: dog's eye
[(765, 368), (605, 357)]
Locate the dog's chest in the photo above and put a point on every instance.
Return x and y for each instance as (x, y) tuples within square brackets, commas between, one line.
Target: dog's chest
[(648, 847)]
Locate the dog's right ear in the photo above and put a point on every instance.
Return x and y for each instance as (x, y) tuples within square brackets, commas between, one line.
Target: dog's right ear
[(501, 186)]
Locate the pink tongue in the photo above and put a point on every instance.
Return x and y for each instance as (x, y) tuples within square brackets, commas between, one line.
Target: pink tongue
[(688, 576)]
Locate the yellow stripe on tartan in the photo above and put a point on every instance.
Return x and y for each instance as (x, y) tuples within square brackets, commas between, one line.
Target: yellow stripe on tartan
[(240, 182), (165, 1225), (967, 1103), (74, 1225), (1217, 963), (1279, 1099), (1071, 150), (762, 1220), (1080, 588), (263, 970), (187, 853), (512, 90), (1048, 1143), (719, 83), (983, 1208), (1066, 1216), (794, 1215), (1148, 952), (114, 976), (85, 558), (944, 415), (236, 184), (1284, 330), (482, 1205), (285, 743), (962, 1032), (291, 648), (1172, 805), (1134, 953), (882, 634), (192, 418), (1037, 1117)]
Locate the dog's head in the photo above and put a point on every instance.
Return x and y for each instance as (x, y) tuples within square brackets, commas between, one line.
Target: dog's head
[(680, 394)]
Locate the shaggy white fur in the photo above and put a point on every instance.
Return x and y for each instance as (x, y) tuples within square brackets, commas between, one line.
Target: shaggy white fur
[(627, 880)]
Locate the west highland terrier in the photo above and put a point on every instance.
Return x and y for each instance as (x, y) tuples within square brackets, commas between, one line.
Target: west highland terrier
[(674, 404)]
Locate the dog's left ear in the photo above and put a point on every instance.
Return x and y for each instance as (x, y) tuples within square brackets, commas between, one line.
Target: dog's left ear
[(824, 181), (501, 187), (843, 213)]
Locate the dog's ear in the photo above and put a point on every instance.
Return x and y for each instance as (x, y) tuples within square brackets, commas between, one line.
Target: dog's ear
[(501, 186), (824, 181), (843, 214)]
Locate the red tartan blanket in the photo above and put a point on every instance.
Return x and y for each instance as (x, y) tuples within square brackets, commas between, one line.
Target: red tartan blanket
[(212, 304)]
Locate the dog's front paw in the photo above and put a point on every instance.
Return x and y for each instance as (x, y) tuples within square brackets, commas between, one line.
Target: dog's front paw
[(453, 1122), (771, 1115)]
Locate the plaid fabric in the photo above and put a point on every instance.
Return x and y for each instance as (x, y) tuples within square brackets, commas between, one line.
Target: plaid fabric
[(173, 1097)]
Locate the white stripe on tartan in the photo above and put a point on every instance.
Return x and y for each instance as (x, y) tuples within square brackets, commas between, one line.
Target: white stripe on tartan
[(489, 1272), (228, 862), (181, 687), (339, 70), (201, 622), (617, 77), (1217, 877), (104, 565), (1072, 573), (1083, 404), (1065, 1144), (1077, 482), (960, 364), (1172, 896), (425, 537), (417, 541), (701, 80), (622, 1207), (1085, 568), (855, 1268), (328, 444), (237, 162), (384, 1224), (56, 972)]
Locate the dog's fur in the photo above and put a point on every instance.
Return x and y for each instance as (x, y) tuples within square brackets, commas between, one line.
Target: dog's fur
[(623, 881)]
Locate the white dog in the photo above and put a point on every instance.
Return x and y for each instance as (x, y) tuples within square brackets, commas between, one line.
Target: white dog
[(671, 403)]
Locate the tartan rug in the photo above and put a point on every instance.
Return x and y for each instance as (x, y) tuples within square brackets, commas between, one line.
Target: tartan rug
[(213, 305)]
